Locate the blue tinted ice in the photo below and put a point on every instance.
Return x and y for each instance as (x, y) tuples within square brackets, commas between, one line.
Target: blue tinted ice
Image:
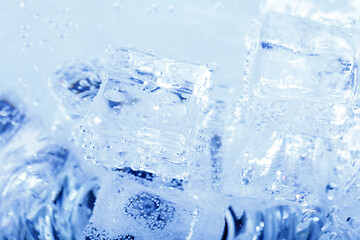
[(148, 114), (44, 196), (276, 222), (129, 209), (76, 84), (11, 119), (306, 71), (285, 132)]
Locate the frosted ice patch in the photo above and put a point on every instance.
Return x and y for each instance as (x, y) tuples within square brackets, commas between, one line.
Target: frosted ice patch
[(148, 114)]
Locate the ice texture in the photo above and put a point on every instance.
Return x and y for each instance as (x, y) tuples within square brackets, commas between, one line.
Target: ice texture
[(148, 115), (127, 208), (76, 84)]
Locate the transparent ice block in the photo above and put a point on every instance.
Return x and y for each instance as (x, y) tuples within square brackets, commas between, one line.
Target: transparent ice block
[(285, 133), (148, 114), (45, 196), (304, 72), (129, 207)]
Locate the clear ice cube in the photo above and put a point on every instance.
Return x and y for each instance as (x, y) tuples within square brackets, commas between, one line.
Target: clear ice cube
[(285, 133), (304, 71), (129, 209), (44, 192), (148, 114)]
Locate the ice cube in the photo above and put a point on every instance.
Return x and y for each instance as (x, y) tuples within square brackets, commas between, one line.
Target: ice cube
[(286, 131), (148, 114), (46, 195), (304, 71), (130, 209), (283, 167), (76, 84)]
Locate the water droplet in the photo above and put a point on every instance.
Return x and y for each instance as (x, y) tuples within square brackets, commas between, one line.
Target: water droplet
[(62, 35), (24, 35), (117, 5), (219, 5), (36, 16), (28, 44)]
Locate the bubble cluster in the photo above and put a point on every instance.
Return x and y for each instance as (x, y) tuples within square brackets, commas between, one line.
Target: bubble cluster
[(153, 209)]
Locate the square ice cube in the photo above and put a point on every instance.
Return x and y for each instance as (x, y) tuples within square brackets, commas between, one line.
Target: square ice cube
[(148, 114), (304, 71), (300, 58), (278, 165), (128, 209)]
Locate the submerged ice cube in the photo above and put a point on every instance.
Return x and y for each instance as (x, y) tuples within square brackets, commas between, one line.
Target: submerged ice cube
[(304, 71), (76, 84), (283, 168), (148, 114), (131, 209), (285, 133), (45, 196)]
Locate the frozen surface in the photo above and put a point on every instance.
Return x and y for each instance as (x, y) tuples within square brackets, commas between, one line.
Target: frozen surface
[(156, 106)]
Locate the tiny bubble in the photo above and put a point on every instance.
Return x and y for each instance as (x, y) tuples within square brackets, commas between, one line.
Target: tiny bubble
[(28, 44), (62, 35), (68, 24), (117, 5), (24, 35), (212, 66), (171, 8), (219, 5)]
